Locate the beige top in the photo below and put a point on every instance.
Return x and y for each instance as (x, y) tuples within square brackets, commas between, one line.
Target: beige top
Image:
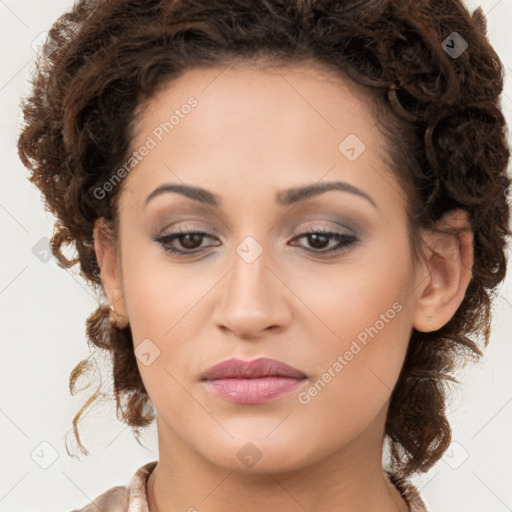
[(134, 499)]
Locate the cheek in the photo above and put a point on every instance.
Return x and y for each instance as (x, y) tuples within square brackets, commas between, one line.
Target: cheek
[(166, 307), (157, 293), (363, 326), (363, 296), (358, 370), (364, 347)]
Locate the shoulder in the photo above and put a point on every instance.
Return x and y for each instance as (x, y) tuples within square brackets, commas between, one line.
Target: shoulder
[(114, 499), (123, 498)]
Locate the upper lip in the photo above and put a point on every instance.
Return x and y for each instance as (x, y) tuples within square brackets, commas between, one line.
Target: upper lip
[(262, 367)]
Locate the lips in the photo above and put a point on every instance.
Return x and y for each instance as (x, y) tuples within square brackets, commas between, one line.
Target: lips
[(263, 367), (252, 382)]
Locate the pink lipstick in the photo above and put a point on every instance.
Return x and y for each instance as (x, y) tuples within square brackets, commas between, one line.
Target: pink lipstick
[(252, 382)]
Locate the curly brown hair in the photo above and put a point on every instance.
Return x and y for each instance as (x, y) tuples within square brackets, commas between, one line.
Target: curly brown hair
[(439, 110)]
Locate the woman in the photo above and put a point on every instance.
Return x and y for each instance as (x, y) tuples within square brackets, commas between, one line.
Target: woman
[(297, 213)]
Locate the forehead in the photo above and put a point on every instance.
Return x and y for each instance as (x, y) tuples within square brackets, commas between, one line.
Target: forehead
[(251, 123), (252, 82)]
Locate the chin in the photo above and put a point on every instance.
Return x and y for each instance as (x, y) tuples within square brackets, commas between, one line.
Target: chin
[(253, 453)]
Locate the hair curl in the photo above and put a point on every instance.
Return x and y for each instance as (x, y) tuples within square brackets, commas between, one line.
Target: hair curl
[(441, 114)]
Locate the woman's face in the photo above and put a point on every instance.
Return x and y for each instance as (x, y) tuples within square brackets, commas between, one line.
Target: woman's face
[(338, 307)]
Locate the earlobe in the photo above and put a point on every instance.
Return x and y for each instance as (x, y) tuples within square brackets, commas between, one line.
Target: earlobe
[(106, 255), (447, 272)]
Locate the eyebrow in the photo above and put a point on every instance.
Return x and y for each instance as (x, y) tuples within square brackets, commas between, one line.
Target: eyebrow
[(283, 197)]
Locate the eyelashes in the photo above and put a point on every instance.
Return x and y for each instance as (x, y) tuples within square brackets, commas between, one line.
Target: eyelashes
[(183, 234), (318, 238)]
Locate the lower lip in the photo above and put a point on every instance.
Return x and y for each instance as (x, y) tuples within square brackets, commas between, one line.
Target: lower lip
[(254, 391)]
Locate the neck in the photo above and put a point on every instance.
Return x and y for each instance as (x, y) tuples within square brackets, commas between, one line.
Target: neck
[(345, 481)]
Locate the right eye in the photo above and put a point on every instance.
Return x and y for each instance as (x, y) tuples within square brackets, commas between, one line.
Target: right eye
[(190, 241)]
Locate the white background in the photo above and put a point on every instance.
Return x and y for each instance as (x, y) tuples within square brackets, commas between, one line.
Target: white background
[(44, 308)]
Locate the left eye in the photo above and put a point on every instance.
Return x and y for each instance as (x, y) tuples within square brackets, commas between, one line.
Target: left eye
[(318, 239)]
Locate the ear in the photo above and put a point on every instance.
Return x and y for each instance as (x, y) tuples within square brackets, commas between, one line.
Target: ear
[(445, 272), (110, 267)]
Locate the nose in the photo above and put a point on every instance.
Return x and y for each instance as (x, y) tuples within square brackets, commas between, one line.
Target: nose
[(254, 299)]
